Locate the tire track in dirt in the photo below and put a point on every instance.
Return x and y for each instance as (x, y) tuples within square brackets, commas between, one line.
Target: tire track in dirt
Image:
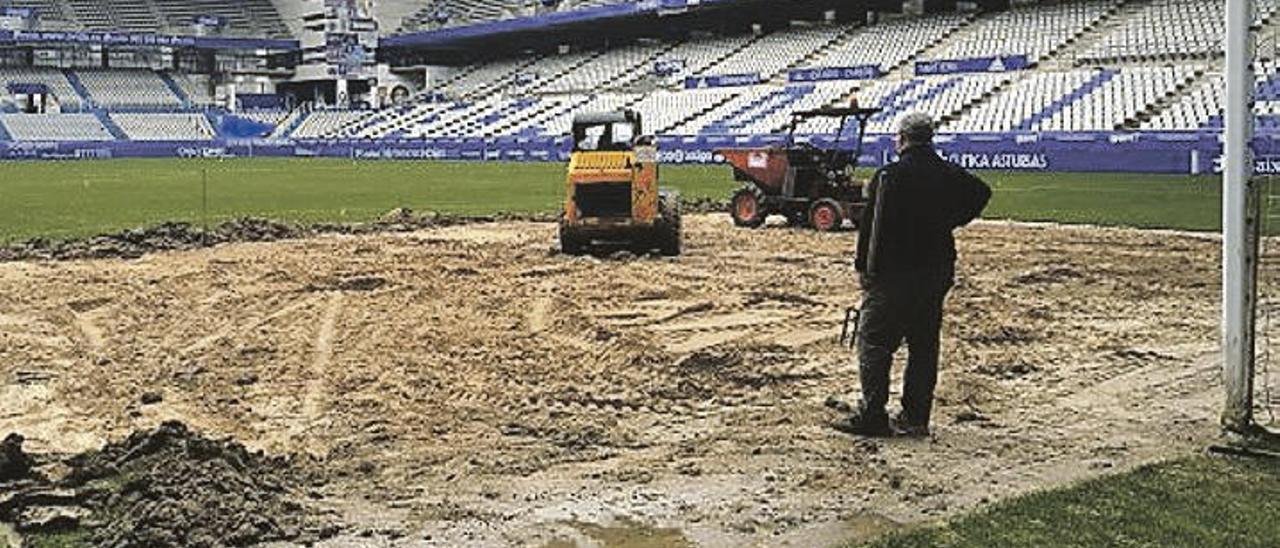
[(316, 394), (233, 327), (92, 335)]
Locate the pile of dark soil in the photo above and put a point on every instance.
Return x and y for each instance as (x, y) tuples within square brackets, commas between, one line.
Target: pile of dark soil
[(14, 463), (704, 205), (135, 243), (168, 487)]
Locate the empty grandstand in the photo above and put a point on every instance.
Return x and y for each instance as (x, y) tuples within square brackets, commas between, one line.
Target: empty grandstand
[(1037, 67)]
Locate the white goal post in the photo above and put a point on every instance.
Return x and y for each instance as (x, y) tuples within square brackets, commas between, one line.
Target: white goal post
[(1240, 224)]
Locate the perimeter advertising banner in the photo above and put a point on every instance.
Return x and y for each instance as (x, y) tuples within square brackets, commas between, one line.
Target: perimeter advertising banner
[(1171, 153)]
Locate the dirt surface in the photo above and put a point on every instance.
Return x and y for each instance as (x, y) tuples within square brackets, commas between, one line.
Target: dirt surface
[(466, 385)]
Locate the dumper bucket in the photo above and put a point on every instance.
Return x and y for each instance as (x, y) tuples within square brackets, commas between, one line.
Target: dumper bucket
[(766, 167)]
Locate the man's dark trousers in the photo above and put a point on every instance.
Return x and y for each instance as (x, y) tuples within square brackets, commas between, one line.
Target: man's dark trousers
[(903, 306)]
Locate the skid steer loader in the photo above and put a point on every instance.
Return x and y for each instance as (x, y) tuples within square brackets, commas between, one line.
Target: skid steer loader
[(612, 197)]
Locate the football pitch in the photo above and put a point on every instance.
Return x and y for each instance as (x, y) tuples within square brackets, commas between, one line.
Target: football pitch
[(74, 199)]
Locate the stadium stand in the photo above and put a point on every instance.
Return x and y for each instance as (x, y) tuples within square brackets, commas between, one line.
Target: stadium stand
[(539, 76), (1202, 105), (1101, 65), (1169, 30), (322, 123), (1116, 100), (272, 118), (247, 18), (890, 44), (699, 54), (670, 110), (165, 127), (196, 88), (55, 127), (1078, 100), (769, 55), (452, 13), (613, 69), (53, 14), (1031, 31), (55, 80), (1019, 103), (484, 78), (128, 89)]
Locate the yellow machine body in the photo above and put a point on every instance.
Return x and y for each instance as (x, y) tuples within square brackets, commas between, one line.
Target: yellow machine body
[(591, 171)]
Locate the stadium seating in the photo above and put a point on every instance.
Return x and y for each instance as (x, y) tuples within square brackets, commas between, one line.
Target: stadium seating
[(53, 14), (196, 88), (65, 95), (165, 127), (698, 55), (771, 54), (1117, 101), (887, 44), (612, 69), (1077, 100), (322, 123), (462, 12), (1030, 31), (1169, 29), (1202, 105), (546, 71), (667, 111), (269, 117), (1027, 97), (128, 89), (55, 127), (249, 18), (562, 123), (484, 78), (1102, 65)]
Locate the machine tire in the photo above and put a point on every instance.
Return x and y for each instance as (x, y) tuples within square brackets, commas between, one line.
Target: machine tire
[(669, 237), (570, 242), (747, 208), (825, 215)]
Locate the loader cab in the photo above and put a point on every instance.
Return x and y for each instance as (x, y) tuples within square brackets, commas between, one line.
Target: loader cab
[(606, 132)]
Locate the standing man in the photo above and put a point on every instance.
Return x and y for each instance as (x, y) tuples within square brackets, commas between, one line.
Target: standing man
[(906, 261)]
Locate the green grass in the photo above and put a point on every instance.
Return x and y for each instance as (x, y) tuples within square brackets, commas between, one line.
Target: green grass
[(1198, 501), (1145, 201), (70, 199), (73, 199)]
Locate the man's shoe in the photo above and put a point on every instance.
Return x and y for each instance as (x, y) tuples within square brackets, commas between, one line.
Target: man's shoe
[(904, 426), (839, 404), (861, 424)]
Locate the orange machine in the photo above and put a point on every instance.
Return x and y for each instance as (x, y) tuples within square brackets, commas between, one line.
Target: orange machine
[(811, 186), (612, 196)]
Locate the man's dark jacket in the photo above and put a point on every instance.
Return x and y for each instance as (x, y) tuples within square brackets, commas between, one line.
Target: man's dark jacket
[(920, 200)]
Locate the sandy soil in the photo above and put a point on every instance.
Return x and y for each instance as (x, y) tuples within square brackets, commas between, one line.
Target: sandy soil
[(467, 385)]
